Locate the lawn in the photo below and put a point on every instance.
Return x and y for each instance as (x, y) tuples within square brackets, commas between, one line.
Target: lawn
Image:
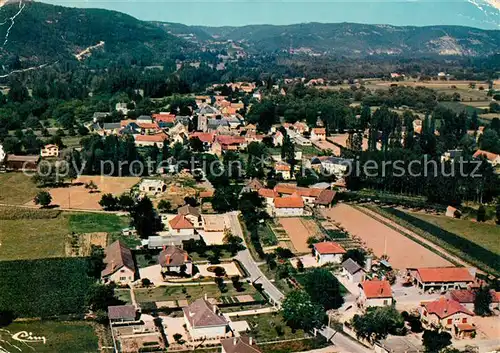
[(44, 288), (28, 238), (295, 346), (61, 337), (19, 189), (270, 327), (123, 295), (483, 234), (266, 235), (96, 222), (476, 243), (192, 292)]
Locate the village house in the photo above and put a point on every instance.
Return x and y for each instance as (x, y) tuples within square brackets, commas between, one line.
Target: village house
[(466, 298), (240, 344), (325, 198), (318, 134), (328, 252), (175, 261), (224, 143), (193, 215), (204, 321), (331, 165), (150, 140), (284, 169), (21, 163), (253, 185), (278, 139), (375, 293), (269, 195), (122, 108), (442, 278), (144, 119), (111, 128), (207, 138), (291, 206), (120, 267), (152, 187), (180, 225), (308, 195), (353, 271), (492, 158), (452, 212), (148, 128), (49, 151), (448, 314), (122, 314)]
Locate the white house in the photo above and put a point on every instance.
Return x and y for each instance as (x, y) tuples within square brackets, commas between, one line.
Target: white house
[(49, 151), (152, 186), (203, 320), (120, 267), (375, 293), (328, 252), (332, 165), (284, 169), (174, 260), (352, 271), (122, 107), (193, 215), (292, 206), (492, 158)]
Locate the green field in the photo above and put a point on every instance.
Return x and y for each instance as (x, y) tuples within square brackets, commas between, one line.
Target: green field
[(17, 188), (24, 237), (271, 327), (192, 292), (43, 288), (458, 107), (35, 234), (61, 337), (483, 234), (96, 222), (295, 346), (476, 243)]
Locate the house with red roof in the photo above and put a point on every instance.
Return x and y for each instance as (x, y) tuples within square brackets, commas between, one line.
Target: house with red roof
[(180, 225), (150, 140), (466, 298), (206, 137), (292, 206), (375, 292), (224, 143), (269, 195), (328, 252), (492, 158), (284, 169), (442, 278), (448, 314), (318, 134)]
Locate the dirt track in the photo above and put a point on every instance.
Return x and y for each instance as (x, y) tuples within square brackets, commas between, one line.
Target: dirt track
[(402, 251)]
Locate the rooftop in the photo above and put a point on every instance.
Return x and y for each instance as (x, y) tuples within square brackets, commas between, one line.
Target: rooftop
[(180, 222), (445, 274), (351, 266), (443, 308), (173, 256), (329, 247), (239, 345), (117, 256), (289, 202), (201, 313), (376, 289), (122, 312)]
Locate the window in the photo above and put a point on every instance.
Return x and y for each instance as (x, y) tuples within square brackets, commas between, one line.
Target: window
[(123, 278), (464, 320), (449, 321), (385, 302)]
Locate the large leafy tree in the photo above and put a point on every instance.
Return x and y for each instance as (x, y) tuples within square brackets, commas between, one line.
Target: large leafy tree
[(323, 288), (300, 312), (144, 217), (434, 341), (482, 301), (377, 323)]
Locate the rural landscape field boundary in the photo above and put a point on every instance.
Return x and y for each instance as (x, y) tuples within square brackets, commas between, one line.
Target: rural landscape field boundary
[(439, 246)]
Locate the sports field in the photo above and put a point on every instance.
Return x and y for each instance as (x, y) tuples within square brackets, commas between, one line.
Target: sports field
[(402, 251)]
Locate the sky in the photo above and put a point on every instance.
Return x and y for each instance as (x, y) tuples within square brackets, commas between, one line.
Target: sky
[(474, 13)]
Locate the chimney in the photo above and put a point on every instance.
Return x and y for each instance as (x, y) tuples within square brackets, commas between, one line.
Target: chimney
[(250, 340), (167, 259), (235, 340), (206, 297), (185, 257)]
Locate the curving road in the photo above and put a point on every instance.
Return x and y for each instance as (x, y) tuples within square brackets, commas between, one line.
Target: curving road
[(341, 342)]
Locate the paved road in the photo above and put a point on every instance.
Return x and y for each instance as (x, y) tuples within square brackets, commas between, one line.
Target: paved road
[(342, 343), (246, 259)]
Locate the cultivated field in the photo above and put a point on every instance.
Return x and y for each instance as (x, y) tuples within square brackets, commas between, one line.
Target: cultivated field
[(43, 288), (16, 188), (299, 230), (402, 251), (35, 234), (76, 196), (326, 145), (61, 337)]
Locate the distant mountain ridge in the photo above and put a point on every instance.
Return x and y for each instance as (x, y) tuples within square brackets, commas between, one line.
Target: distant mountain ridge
[(43, 33), (364, 39)]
